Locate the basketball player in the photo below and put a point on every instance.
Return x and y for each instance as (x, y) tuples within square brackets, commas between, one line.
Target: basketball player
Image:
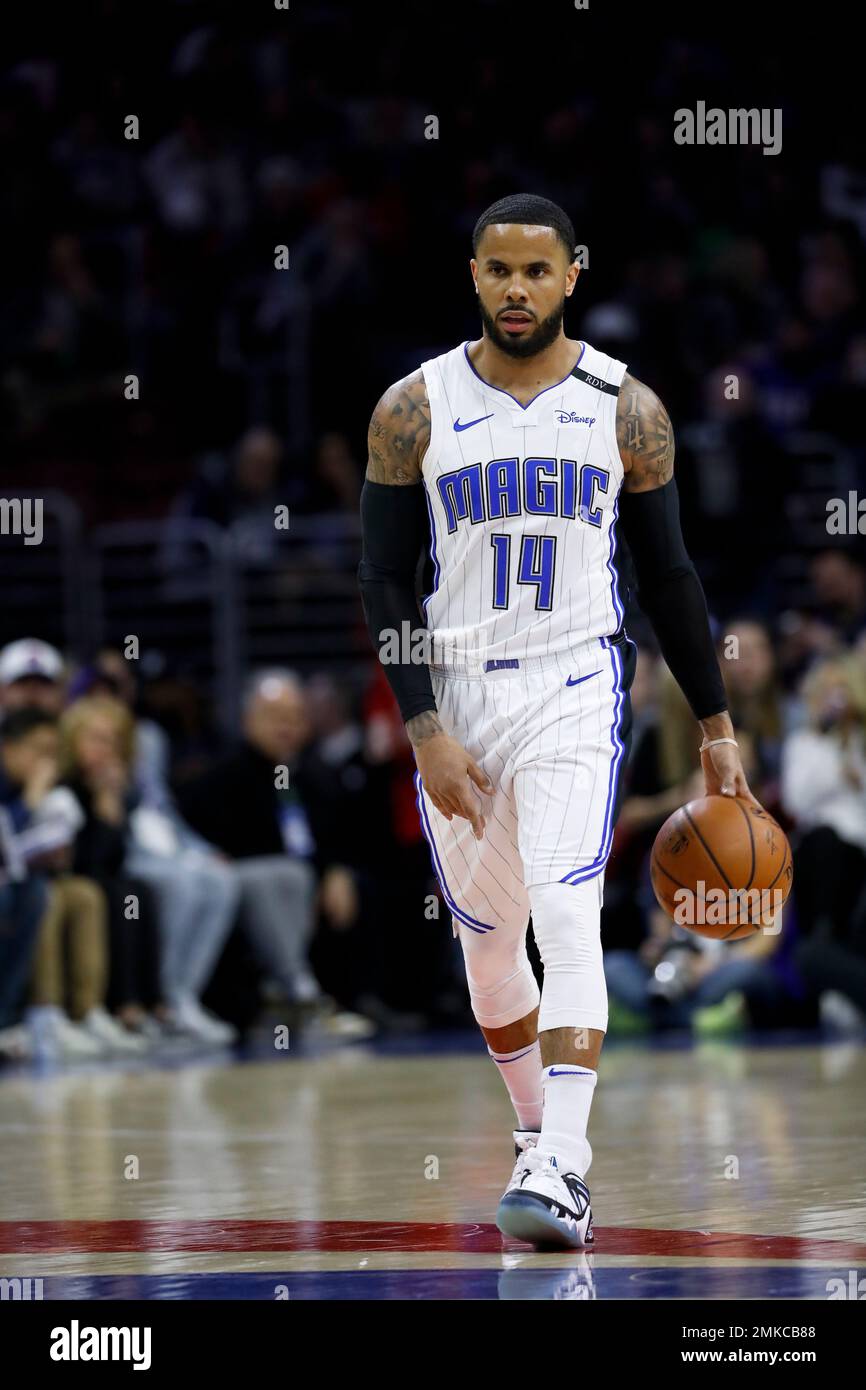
[(515, 462)]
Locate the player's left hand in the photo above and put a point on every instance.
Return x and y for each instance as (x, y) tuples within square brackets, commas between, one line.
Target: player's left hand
[(723, 773)]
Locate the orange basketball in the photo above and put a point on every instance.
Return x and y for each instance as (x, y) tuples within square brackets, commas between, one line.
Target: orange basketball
[(721, 867)]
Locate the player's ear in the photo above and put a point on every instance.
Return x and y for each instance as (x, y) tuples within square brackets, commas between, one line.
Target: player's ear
[(571, 277), (473, 267)]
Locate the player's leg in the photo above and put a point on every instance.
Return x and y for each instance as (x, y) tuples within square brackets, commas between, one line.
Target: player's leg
[(547, 1200), (482, 883), (567, 791)]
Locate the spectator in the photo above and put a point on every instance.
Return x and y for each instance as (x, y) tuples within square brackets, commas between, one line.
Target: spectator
[(31, 676), (755, 699), (23, 898), (248, 805), (839, 585), (347, 800), (195, 903), (68, 1018), (239, 492), (824, 789)]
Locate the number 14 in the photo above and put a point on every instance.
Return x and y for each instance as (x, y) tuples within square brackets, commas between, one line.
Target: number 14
[(535, 566)]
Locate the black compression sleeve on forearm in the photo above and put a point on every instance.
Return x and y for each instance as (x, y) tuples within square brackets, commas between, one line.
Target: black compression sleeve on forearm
[(395, 529), (671, 595)]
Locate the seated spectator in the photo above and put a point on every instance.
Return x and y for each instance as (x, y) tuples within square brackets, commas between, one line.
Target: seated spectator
[(31, 677), (67, 1018), (249, 806), (196, 903), (755, 700), (824, 789), (238, 491), (839, 587), (347, 798), (23, 898)]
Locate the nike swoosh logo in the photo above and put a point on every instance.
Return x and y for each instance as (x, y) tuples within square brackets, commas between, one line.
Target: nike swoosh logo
[(469, 423), (553, 1072), (581, 679)]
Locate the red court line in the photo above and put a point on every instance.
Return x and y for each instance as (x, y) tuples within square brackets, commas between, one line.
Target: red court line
[(112, 1237)]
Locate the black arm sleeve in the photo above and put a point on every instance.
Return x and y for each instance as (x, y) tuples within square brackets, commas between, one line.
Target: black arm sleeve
[(670, 593), (395, 530)]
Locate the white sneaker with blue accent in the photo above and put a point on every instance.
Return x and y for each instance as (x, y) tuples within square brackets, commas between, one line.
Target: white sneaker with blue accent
[(547, 1207), (524, 1140)]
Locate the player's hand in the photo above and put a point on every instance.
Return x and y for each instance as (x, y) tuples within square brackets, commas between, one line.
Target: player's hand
[(723, 773), (450, 777)]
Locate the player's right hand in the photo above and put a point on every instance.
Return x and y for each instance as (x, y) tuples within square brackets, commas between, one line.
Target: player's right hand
[(448, 774)]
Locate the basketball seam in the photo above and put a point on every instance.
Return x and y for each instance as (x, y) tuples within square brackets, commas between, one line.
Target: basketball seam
[(737, 925), (751, 841), (707, 849), (654, 862), (784, 864)]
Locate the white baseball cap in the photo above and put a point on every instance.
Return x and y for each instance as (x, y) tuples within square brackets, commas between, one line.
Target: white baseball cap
[(29, 657)]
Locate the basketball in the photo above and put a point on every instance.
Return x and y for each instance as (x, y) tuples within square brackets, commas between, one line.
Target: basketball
[(721, 867)]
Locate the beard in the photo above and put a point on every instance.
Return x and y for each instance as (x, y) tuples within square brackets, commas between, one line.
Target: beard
[(544, 333)]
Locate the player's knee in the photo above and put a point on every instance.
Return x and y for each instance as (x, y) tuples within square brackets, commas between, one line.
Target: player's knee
[(566, 921), (502, 987)]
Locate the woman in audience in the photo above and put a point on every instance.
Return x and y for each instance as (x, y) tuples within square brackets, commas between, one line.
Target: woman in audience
[(98, 754)]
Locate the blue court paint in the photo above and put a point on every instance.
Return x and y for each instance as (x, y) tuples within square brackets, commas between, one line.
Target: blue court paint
[(568, 1279)]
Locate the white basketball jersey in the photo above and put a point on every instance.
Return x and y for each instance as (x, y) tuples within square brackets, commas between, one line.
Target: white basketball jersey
[(522, 501)]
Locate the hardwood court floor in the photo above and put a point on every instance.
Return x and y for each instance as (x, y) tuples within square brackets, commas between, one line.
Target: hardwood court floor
[(723, 1170)]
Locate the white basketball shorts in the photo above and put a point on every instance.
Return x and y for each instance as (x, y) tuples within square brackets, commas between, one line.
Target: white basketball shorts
[(552, 734)]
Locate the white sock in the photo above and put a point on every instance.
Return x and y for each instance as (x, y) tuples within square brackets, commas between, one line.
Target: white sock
[(521, 1072), (567, 1099)]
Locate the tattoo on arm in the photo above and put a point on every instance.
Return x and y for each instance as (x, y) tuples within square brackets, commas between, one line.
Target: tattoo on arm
[(645, 437), (399, 433), (423, 726)]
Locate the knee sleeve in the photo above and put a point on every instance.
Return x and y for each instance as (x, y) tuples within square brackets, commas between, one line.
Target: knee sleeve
[(502, 987), (566, 920)]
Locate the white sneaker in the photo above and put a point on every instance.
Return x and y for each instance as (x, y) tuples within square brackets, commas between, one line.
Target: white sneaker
[(57, 1038), (99, 1024), (548, 1207), (524, 1140), (190, 1018)]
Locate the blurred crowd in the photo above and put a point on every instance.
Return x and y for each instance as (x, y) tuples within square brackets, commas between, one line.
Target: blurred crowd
[(142, 909), (146, 900), (160, 888), (155, 255)]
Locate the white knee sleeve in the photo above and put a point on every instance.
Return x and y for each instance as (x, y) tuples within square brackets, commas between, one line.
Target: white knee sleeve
[(502, 987), (566, 920)]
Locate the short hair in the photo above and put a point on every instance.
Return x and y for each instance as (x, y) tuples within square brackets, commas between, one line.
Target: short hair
[(261, 681), (22, 722), (532, 210)]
